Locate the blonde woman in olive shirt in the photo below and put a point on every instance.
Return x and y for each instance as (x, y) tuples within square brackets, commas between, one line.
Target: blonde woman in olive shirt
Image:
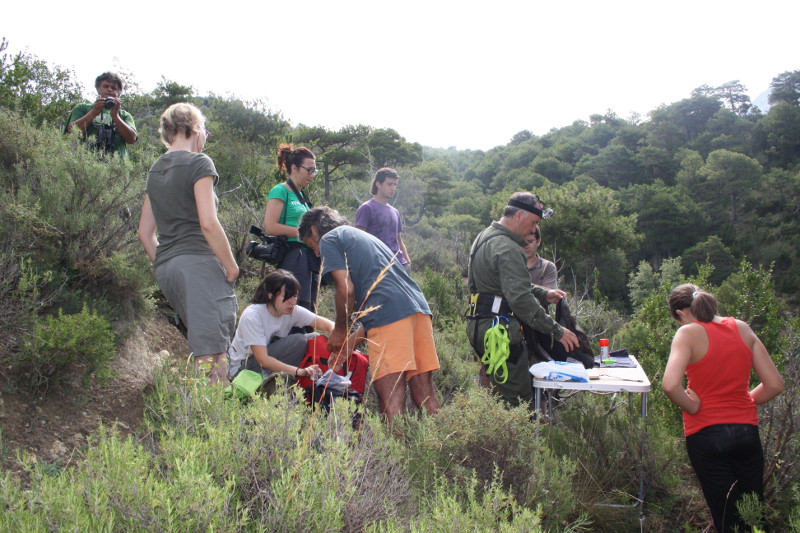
[(193, 261)]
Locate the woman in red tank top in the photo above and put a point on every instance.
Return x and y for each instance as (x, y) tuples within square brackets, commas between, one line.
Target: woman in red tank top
[(720, 417)]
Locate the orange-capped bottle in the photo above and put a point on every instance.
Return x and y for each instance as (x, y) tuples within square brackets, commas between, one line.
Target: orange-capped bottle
[(603, 349)]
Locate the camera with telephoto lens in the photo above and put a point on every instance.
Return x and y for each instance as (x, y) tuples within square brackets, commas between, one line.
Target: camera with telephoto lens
[(109, 103), (273, 249)]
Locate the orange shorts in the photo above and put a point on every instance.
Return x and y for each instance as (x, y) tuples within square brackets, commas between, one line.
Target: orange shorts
[(403, 346)]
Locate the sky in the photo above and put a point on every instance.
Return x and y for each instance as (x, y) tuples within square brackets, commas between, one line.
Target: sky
[(466, 74)]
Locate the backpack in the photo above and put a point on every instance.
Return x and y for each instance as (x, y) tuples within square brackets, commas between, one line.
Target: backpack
[(542, 347), (355, 369), (565, 318)]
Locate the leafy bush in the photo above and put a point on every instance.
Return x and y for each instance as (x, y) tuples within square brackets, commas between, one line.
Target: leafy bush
[(458, 364), (119, 487), (445, 295), (749, 295), (469, 507), (21, 298), (605, 436), (66, 229), (290, 467), (598, 320), (476, 433), (428, 253), (778, 423), (61, 340)]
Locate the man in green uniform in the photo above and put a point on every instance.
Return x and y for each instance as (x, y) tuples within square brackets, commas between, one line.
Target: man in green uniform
[(501, 291), (107, 127)]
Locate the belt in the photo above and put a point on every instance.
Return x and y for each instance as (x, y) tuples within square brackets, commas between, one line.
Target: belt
[(487, 306)]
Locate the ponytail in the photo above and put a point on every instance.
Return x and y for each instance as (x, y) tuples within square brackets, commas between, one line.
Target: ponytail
[(289, 155), (702, 304)]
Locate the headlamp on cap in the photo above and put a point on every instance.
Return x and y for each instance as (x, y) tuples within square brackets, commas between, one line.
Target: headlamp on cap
[(546, 213)]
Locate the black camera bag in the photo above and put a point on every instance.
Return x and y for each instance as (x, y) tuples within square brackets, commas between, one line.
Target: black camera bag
[(275, 249)]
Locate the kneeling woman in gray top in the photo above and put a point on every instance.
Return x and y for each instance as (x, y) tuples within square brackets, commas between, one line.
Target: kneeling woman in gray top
[(193, 261)]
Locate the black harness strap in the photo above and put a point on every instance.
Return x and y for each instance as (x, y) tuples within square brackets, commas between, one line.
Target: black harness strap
[(475, 251), (470, 282), (300, 196)]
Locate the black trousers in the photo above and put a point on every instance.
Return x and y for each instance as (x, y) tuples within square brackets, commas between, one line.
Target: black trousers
[(304, 264), (729, 462)]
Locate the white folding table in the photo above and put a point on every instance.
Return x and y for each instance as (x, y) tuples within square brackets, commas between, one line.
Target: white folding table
[(630, 380)]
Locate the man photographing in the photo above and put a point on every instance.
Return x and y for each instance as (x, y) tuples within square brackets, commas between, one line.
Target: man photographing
[(107, 127)]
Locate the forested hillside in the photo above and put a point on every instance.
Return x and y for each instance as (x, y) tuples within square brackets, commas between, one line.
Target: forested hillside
[(706, 189)]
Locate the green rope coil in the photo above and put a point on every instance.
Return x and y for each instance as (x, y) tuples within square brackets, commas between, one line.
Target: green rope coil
[(496, 349)]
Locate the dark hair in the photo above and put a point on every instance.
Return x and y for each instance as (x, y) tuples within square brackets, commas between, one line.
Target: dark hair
[(702, 304), (108, 76), (289, 155), (380, 177), (270, 287), (526, 198), (536, 237), (323, 218)]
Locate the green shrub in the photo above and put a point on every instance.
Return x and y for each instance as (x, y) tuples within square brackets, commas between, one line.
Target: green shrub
[(21, 297), (459, 367), (65, 213), (598, 320), (429, 249), (749, 295), (470, 506), (291, 468), (120, 486), (445, 295), (476, 433), (61, 340), (602, 433), (752, 510), (5, 451), (793, 516), (778, 423)]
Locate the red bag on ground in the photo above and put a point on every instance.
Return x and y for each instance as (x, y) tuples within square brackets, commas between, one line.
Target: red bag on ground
[(355, 369)]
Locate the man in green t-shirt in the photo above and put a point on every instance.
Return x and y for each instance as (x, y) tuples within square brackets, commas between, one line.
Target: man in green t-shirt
[(107, 128)]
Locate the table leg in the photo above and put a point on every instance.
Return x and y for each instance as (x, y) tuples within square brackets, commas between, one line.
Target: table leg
[(641, 456)]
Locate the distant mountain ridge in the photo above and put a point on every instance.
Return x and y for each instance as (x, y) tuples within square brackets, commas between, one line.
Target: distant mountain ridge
[(762, 101)]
